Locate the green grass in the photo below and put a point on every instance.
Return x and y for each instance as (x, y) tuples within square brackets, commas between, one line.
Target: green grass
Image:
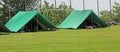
[(95, 40)]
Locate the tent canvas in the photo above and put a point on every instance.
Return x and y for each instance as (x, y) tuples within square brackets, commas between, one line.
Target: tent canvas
[(19, 21), (76, 18)]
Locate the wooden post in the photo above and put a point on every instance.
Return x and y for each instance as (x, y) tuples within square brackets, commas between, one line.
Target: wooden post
[(25, 5), (110, 9), (83, 4), (70, 4), (55, 3), (40, 4), (98, 7), (9, 14)]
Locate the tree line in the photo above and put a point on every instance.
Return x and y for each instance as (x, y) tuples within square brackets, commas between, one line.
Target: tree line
[(55, 14), (113, 15)]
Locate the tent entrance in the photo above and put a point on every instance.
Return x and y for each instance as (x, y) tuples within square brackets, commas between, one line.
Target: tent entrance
[(89, 23), (33, 26)]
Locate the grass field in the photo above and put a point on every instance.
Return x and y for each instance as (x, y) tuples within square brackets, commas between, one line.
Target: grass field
[(82, 40)]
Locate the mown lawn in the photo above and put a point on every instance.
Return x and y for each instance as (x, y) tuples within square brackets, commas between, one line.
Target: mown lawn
[(95, 40)]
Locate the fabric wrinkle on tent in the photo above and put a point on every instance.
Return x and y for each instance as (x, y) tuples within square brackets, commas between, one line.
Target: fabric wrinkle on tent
[(23, 17), (76, 18)]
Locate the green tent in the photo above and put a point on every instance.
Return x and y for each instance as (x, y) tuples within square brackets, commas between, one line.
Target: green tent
[(79, 19), (28, 20)]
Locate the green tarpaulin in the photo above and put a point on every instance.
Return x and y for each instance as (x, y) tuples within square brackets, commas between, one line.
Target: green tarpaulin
[(23, 17), (76, 18)]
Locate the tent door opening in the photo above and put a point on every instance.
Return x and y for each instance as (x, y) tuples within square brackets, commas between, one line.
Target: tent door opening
[(89, 23), (33, 26)]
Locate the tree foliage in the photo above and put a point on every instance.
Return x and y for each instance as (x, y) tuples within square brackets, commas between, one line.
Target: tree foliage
[(55, 15), (15, 6), (116, 11), (105, 15), (114, 15)]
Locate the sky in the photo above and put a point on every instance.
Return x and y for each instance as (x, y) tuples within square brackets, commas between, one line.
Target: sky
[(89, 4)]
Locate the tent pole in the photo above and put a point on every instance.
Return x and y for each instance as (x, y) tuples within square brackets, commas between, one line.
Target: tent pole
[(92, 20), (83, 4), (37, 24), (9, 14), (98, 7), (31, 26)]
